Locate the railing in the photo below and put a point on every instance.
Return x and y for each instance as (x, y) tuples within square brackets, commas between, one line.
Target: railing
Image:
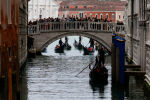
[(75, 26)]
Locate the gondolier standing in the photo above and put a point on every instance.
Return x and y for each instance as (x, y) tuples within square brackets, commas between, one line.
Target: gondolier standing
[(60, 42)]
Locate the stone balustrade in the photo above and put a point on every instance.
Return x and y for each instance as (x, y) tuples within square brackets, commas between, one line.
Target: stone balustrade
[(148, 6), (75, 26)]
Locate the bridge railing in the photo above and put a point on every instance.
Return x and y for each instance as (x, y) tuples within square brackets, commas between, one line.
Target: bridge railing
[(75, 26)]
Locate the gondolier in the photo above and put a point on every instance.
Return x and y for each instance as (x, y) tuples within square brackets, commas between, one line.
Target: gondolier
[(60, 42)]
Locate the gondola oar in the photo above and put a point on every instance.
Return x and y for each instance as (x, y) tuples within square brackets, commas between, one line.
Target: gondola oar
[(84, 68), (87, 44)]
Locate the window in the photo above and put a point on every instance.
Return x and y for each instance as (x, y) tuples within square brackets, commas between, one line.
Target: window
[(95, 15), (112, 16), (107, 16), (119, 16), (101, 16), (90, 15), (76, 7), (9, 11), (85, 15)]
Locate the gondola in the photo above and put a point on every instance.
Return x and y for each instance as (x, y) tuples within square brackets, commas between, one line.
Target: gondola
[(77, 45), (99, 74), (88, 50), (44, 50), (59, 49), (67, 46)]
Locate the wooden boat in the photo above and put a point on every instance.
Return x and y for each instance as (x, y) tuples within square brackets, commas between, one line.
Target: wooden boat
[(77, 45), (99, 74), (67, 47), (88, 50), (59, 49), (44, 50)]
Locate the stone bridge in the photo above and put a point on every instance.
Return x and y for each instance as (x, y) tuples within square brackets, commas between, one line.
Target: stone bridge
[(46, 33)]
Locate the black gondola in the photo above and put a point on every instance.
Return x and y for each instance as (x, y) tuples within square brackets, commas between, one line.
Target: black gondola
[(44, 50), (67, 47), (77, 45), (59, 49), (88, 50), (99, 74)]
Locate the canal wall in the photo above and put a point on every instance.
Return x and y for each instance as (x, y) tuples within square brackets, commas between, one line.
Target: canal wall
[(148, 64), (22, 35)]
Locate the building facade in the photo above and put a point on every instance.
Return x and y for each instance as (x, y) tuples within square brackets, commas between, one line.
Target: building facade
[(138, 34), (22, 31), (13, 37), (113, 11), (42, 9)]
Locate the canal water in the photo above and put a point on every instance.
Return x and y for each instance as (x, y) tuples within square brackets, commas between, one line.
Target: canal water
[(52, 76)]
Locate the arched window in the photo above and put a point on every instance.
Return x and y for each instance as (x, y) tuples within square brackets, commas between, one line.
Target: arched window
[(85, 15), (119, 16), (101, 16), (90, 15), (112, 16), (95, 15), (107, 16)]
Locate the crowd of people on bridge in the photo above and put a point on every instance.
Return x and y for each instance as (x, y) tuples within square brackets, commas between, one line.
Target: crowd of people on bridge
[(69, 19), (70, 23)]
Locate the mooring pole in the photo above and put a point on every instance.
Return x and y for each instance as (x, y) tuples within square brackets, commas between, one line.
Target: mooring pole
[(10, 96), (113, 58), (117, 63)]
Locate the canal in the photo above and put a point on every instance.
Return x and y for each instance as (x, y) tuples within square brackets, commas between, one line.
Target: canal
[(52, 76)]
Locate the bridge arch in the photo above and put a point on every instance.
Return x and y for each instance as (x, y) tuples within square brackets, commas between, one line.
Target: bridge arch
[(42, 40)]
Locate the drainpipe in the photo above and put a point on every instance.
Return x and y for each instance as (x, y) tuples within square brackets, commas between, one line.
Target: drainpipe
[(131, 29)]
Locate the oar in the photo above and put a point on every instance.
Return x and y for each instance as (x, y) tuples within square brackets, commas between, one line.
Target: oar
[(87, 44), (84, 68)]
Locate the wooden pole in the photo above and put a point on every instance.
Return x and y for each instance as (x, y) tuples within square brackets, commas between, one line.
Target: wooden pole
[(10, 84), (113, 61), (117, 63)]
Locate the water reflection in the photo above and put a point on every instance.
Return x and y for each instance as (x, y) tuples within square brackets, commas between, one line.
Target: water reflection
[(98, 88)]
